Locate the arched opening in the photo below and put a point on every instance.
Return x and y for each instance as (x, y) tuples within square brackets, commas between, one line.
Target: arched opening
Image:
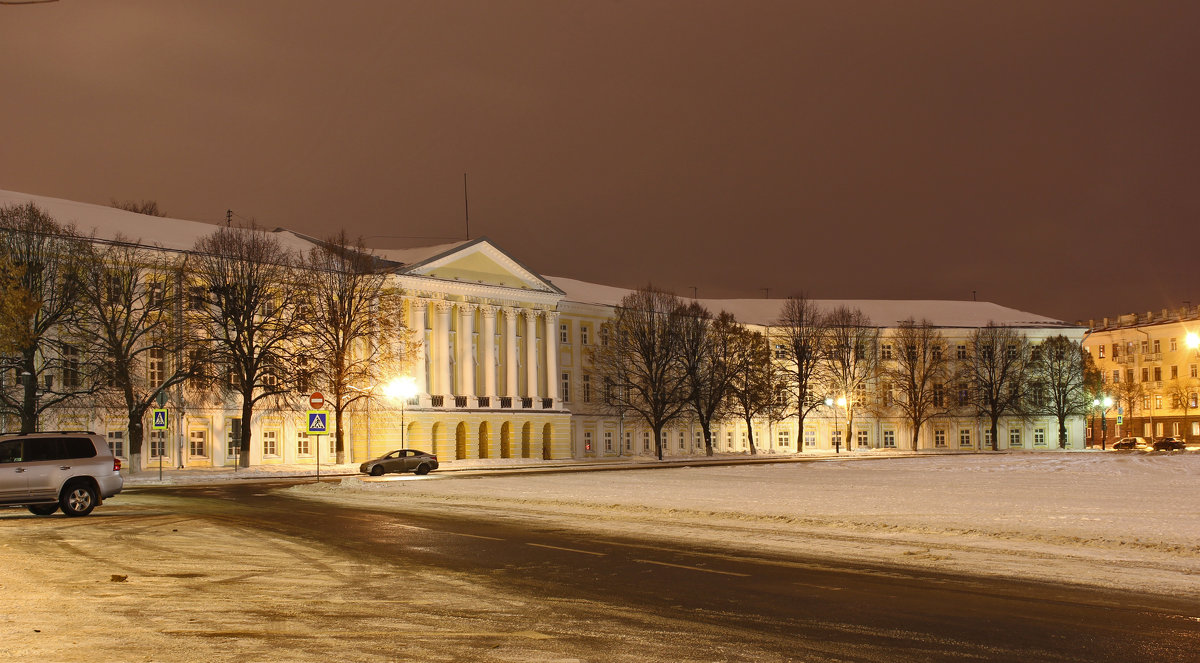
[(527, 440), (414, 437), (485, 440), (547, 438), (438, 440), (506, 440), (460, 441)]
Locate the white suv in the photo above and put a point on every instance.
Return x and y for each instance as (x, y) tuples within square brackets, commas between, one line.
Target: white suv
[(71, 470)]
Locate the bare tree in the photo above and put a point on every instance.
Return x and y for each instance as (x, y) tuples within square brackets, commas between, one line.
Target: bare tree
[(16, 305), (1128, 395), (132, 326), (851, 359), (1183, 393), (707, 347), (48, 261), (1059, 368), (998, 369), (919, 364), (347, 313), (147, 207), (250, 315), (758, 384), (641, 365), (800, 333)]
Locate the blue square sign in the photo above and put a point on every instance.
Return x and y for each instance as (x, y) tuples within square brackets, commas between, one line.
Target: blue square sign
[(317, 422)]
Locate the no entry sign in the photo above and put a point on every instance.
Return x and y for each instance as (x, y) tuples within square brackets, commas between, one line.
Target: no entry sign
[(316, 401)]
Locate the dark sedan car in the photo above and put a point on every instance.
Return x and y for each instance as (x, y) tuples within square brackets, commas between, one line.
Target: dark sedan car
[(401, 460), (1131, 443), (1169, 444)]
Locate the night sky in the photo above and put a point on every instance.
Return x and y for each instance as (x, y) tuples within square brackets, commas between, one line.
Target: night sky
[(1041, 153)]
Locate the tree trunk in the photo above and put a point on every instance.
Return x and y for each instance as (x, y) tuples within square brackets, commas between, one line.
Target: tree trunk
[(800, 430), (995, 427), (1062, 433), (916, 434), (244, 444), (708, 450), (658, 447), (750, 436), (339, 444), (136, 437), (29, 416)]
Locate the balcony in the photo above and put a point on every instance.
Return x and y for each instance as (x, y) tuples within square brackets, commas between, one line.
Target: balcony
[(437, 401), (547, 403), (460, 401), (506, 401), (1151, 356), (485, 401), (527, 403)]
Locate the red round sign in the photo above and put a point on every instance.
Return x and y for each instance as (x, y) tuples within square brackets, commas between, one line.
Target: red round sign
[(316, 400)]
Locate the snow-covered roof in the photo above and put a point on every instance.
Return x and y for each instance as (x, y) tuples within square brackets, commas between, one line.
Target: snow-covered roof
[(882, 312), (416, 254), (108, 222)]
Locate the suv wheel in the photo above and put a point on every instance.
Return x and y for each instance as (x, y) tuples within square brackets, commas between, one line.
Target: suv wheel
[(78, 499), (42, 509)]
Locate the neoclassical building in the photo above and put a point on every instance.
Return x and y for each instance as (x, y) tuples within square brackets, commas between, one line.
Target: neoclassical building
[(503, 369)]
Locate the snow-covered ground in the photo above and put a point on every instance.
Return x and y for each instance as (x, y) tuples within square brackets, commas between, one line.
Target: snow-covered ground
[(1116, 519)]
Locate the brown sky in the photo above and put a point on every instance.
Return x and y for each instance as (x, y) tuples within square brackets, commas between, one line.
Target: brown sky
[(1042, 153)]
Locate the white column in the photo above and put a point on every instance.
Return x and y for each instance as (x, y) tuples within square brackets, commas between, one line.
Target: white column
[(466, 351), (510, 352), (416, 320), (551, 338), (488, 314), (531, 372), (441, 348)]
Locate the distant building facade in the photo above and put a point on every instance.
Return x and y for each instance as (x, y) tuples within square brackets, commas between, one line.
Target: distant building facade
[(503, 370), (1150, 367)]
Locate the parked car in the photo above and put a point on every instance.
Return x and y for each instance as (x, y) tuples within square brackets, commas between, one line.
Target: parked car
[(1169, 444), (1131, 443), (401, 460), (70, 470)]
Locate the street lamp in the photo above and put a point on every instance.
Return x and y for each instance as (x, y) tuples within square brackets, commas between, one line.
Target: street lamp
[(402, 388), (1107, 402), (837, 439)]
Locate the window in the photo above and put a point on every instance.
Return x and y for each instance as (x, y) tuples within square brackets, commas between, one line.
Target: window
[(1129, 375), (1192, 402), (1146, 402), (158, 363), (233, 438), (197, 298), (1158, 429), (116, 442), (863, 440), (270, 443), (1174, 345), (964, 437), (628, 441), (1101, 349), (885, 351), (1014, 438), (960, 351), (964, 394), (939, 437), (564, 335), (1116, 377), (810, 437), (587, 388), (587, 441), (583, 335), (1158, 373), (303, 447), (646, 441), (835, 438), (1196, 428), (1039, 437), (566, 387), (1175, 428), (198, 443), (154, 294), (1146, 429), (936, 350), (70, 374), (1035, 352), (1192, 371), (1157, 348), (889, 439), (158, 443), (604, 336), (1116, 350), (1145, 347), (939, 395), (780, 351), (784, 437), (1157, 401), (608, 440), (887, 394), (1174, 372), (1145, 374)]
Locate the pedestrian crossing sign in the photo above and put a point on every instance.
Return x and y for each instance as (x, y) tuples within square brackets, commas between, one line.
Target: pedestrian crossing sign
[(160, 419), (317, 422)]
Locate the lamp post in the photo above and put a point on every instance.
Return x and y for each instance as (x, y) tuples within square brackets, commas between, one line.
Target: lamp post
[(837, 440), (402, 388), (1107, 402)]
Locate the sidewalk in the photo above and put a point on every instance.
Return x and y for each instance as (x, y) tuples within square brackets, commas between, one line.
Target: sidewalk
[(199, 475)]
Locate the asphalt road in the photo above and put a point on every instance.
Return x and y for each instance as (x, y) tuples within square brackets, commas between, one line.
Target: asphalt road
[(714, 604)]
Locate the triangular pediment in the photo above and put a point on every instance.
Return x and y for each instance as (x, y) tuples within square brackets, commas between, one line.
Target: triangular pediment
[(480, 262)]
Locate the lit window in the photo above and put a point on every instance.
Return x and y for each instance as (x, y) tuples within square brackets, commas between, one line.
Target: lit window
[(964, 437), (158, 443), (116, 442), (1039, 437), (785, 438), (1014, 438), (810, 437), (889, 439), (608, 440), (564, 336), (583, 335), (566, 387), (270, 443), (863, 440), (885, 352), (1101, 348), (961, 351)]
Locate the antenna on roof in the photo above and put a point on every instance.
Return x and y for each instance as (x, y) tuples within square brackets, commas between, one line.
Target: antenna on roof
[(693, 291), (466, 207), (228, 217), (973, 296)]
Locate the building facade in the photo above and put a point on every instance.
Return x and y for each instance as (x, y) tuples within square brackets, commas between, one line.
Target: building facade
[(503, 369), (1148, 364)]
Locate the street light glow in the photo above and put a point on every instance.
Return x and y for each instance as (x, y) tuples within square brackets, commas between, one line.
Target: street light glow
[(403, 388), (1192, 340)]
